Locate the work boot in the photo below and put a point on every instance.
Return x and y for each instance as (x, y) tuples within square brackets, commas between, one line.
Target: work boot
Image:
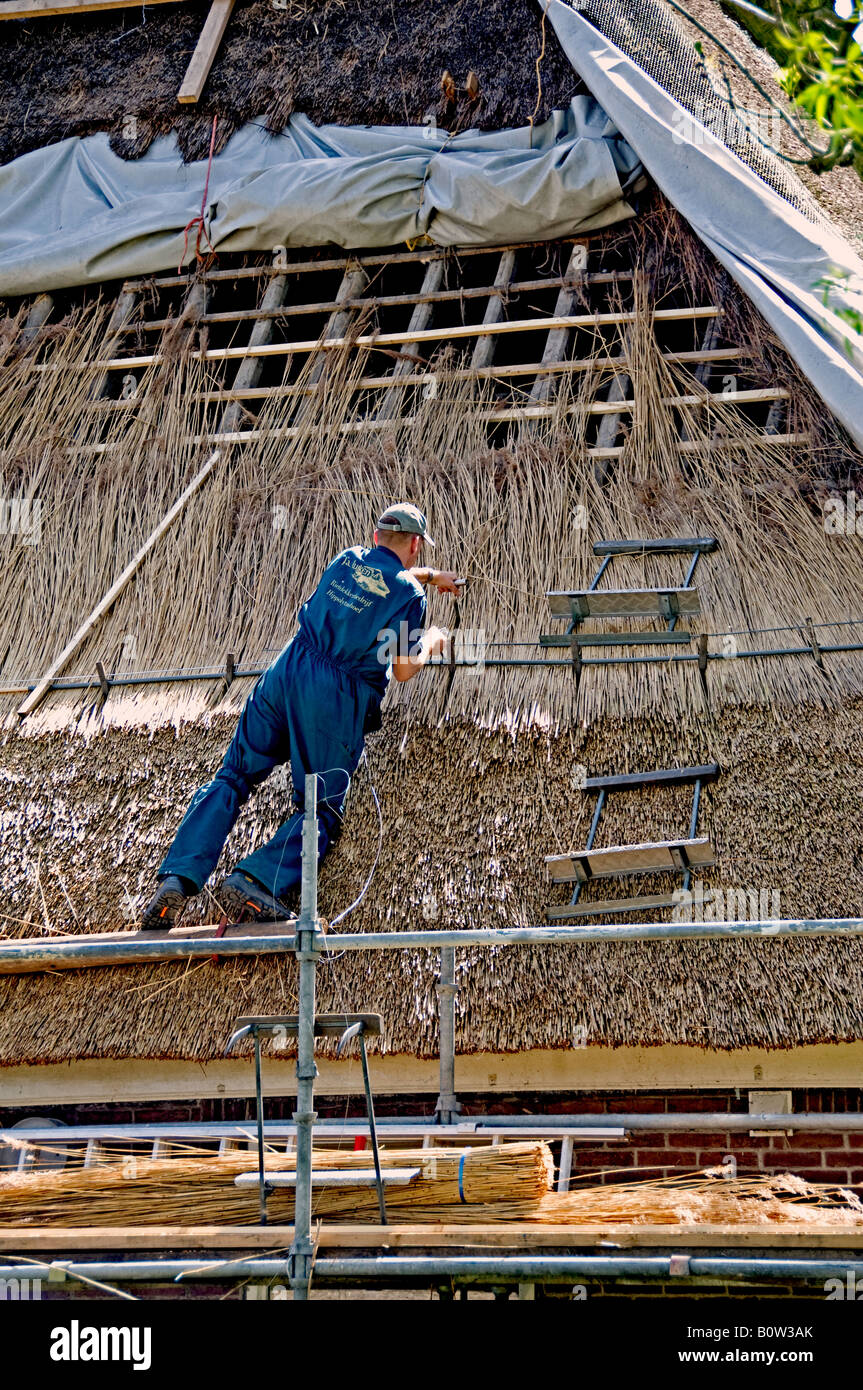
[(243, 899), (167, 903)]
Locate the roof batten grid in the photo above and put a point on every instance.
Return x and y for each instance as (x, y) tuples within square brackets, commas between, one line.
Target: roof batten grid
[(409, 337)]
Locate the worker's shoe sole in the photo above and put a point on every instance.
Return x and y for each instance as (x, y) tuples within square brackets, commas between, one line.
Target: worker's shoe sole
[(243, 899), (165, 907)]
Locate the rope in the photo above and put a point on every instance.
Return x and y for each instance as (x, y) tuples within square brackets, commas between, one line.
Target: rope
[(199, 220)]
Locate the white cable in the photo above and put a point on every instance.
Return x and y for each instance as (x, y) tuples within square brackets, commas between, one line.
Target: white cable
[(368, 883)]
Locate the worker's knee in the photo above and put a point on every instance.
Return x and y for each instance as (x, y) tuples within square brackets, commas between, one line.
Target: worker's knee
[(240, 782)]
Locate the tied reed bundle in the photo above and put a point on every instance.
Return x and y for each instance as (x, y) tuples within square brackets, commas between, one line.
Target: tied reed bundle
[(197, 1189), (693, 1199)]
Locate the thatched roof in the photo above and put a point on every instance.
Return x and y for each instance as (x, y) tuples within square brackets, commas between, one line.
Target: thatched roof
[(340, 61), (336, 61), (468, 817), (476, 780)]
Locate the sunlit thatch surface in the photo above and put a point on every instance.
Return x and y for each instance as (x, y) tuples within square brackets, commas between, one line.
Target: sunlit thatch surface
[(477, 780), (468, 816)]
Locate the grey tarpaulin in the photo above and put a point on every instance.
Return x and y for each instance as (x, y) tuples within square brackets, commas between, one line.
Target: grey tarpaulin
[(75, 213), (775, 254)]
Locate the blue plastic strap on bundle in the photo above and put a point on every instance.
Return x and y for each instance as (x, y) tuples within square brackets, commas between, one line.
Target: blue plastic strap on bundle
[(461, 1177)]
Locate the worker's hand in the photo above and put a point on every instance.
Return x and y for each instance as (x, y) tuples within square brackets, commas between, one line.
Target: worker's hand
[(436, 640), (447, 582)]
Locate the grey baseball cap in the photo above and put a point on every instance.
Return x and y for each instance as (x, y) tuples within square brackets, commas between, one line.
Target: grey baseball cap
[(404, 516)]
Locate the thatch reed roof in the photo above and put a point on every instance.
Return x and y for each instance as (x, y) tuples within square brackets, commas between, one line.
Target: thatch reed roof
[(337, 61), (519, 513), (476, 780), (468, 816)]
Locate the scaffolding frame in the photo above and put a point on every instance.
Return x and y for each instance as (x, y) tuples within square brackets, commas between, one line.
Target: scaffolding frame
[(311, 945)]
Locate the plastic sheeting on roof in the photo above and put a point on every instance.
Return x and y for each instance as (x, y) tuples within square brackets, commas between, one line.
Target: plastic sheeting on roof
[(781, 260), (75, 213)]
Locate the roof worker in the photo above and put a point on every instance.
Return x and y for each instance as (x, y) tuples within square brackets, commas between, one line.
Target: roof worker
[(312, 708)]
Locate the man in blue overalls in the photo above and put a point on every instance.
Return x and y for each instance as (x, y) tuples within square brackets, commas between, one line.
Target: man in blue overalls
[(313, 709)]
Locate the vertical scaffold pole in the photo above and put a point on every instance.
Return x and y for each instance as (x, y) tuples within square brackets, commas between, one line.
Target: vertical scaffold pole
[(447, 1107), (309, 937)]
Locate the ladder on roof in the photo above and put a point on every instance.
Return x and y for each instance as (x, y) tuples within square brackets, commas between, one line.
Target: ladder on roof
[(576, 606), (618, 861)]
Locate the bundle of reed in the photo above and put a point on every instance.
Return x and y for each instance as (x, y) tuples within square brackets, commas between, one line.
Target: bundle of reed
[(199, 1189), (694, 1200)]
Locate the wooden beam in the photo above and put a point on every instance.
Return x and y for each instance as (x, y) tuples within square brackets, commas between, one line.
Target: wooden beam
[(391, 405), (42, 9), (557, 342), (514, 1235), (205, 52), (41, 690), (664, 1066)]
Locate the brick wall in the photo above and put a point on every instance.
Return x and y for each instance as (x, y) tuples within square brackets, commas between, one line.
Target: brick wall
[(820, 1157)]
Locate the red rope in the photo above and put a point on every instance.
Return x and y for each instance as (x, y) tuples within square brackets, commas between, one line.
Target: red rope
[(199, 220)]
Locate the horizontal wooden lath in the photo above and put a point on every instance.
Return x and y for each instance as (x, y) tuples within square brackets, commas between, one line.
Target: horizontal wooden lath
[(616, 861), (391, 301), (608, 906), (415, 336), (502, 373), (513, 416), (378, 258)]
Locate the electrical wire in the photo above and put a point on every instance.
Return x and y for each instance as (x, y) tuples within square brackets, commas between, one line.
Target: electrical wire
[(368, 883)]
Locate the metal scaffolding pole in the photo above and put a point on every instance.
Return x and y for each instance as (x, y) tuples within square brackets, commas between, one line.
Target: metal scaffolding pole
[(447, 1107), (24, 956), (683, 1265), (308, 940)]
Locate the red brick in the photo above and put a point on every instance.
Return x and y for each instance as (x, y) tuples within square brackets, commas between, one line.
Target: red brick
[(855, 1177), (854, 1139), (710, 1158), (641, 1105), (794, 1158), (684, 1139), (744, 1140), (703, 1104), (809, 1139), (664, 1158), (624, 1158)]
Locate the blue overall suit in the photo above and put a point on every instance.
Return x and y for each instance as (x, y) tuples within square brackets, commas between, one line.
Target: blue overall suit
[(311, 708)]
